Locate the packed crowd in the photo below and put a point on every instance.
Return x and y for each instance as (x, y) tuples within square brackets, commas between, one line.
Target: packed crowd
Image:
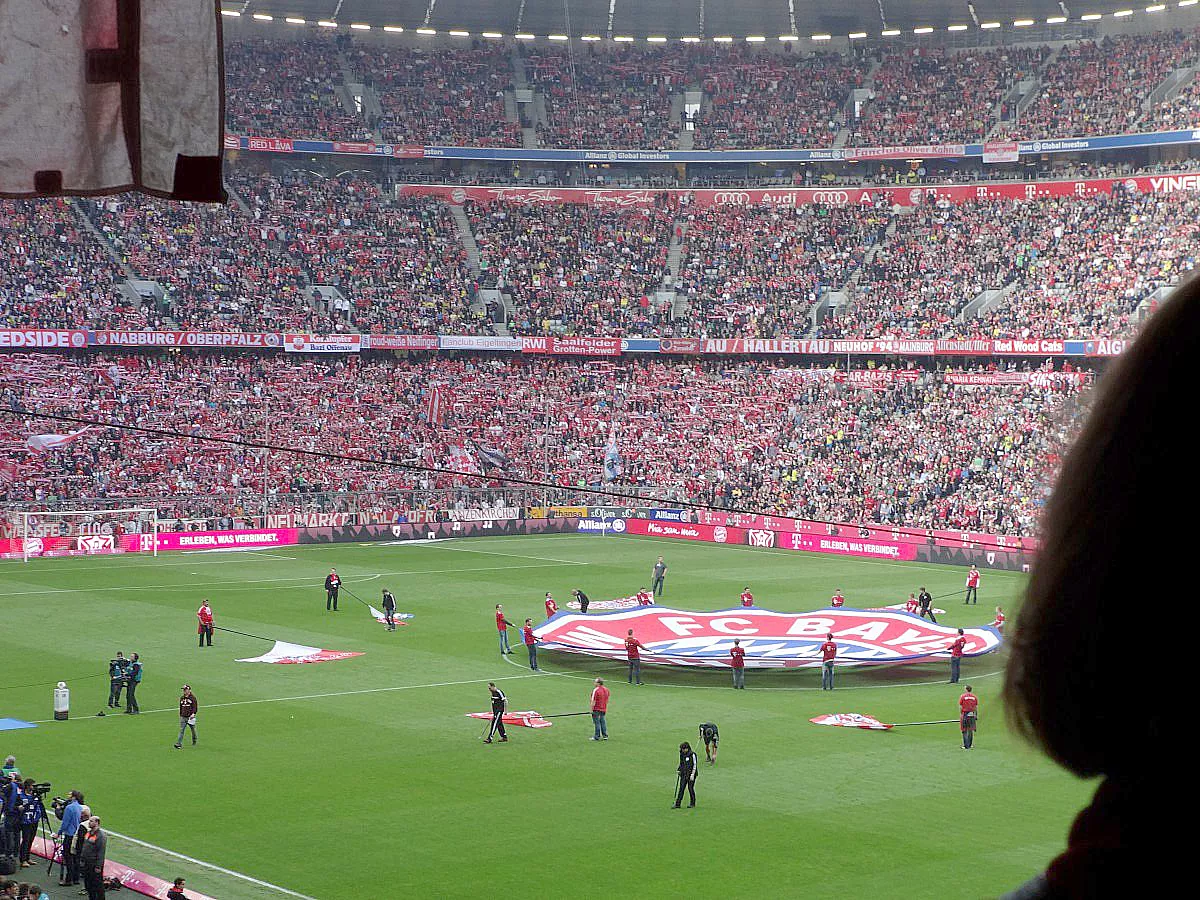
[(398, 264), (1099, 88), (618, 99), (772, 100), (913, 449), (1069, 266), (752, 271), (288, 89), (939, 258), (622, 98), (443, 97), (1181, 111), (935, 97), (576, 269), (53, 274)]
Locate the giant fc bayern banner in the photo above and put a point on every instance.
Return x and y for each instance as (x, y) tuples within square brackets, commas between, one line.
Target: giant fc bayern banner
[(771, 639)]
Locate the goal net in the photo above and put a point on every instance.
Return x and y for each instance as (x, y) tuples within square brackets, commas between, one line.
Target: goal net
[(81, 532)]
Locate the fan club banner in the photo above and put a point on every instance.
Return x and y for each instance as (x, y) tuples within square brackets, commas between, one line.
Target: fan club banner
[(770, 639)]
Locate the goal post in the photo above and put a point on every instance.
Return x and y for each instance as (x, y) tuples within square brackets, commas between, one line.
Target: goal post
[(85, 532)]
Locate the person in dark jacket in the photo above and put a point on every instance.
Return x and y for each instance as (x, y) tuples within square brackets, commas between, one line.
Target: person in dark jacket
[(332, 585), (91, 859), (688, 769), (132, 681), (582, 598)]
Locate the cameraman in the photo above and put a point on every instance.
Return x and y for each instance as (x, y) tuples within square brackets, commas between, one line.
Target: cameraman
[(70, 816), (118, 670), (32, 811)]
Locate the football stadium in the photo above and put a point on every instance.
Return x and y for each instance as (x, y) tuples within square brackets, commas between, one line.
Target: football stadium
[(744, 439)]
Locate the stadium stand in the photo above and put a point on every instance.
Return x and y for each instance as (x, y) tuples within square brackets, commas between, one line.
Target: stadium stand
[(447, 96), (286, 89), (772, 100), (937, 97), (617, 99), (573, 268), (913, 449)]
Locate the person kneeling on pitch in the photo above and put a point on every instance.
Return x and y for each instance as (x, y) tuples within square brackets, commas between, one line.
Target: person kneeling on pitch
[(710, 737), (688, 768)]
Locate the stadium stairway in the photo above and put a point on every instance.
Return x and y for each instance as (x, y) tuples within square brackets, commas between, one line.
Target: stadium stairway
[(467, 237), (101, 238), (1171, 87)]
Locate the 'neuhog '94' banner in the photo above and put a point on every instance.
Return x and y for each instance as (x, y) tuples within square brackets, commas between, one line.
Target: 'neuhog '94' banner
[(771, 639)]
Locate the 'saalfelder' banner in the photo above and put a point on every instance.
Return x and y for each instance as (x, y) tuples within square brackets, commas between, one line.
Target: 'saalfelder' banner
[(771, 639)]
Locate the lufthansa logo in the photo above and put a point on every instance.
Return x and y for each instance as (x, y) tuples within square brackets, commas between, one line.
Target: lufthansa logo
[(731, 197), (832, 198)]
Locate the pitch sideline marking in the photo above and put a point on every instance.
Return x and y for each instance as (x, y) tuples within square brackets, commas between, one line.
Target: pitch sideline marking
[(569, 562), (208, 865), (714, 687), (278, 581), (379, 690)]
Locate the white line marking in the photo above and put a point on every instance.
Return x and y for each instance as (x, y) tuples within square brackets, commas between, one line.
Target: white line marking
[(252, 880), (208, 585), (379, 690), (569, 562), (208, 865)]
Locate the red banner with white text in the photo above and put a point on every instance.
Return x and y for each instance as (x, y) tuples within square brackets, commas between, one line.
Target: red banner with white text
[(898, 195)]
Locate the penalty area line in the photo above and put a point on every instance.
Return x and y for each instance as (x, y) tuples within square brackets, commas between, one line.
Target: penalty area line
[(207, 865)]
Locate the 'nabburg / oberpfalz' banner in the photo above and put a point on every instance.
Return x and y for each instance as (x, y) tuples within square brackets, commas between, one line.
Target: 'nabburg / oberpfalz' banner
[(771, 639)]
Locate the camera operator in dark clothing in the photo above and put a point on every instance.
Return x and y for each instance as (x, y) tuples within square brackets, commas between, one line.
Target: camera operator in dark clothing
[(118, 672), (32, 811), (688, 767), (91, 859)]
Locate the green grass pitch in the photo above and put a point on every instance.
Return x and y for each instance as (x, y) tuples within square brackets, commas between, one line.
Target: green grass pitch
[(362, 778)]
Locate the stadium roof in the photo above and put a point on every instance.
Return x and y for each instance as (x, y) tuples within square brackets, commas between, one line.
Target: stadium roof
[(678, 18)]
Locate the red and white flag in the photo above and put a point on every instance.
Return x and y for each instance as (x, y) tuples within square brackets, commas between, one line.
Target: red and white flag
[(40, 443), (851, 720), (435, 407), (526, 719), (8, 471)]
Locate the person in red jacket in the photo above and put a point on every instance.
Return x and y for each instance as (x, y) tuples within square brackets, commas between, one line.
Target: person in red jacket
[(972, 586), (747, 597), (530, 643), (204, 626), (998, 623), (737, 662), (551, 606), (632, 645), (828, 657), (968, 708), (956, 655), (502, 626), (837, 600), (600, 710)]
